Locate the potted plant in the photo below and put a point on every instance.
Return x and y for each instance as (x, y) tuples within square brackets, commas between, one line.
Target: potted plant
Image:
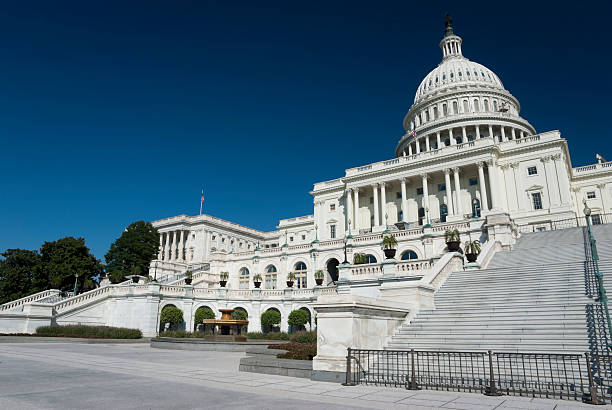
[(359, 258), (188, 277), (223, 277), (389, 243), (452, 239), (135, 274), (257, 280), (472, 250), (319, 275), (290, 279)]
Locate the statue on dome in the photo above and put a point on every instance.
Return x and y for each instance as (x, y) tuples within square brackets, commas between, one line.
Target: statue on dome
[(449, 20)]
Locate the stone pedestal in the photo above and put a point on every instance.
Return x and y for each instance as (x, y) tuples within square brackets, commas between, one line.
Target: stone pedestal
[(500, 228)]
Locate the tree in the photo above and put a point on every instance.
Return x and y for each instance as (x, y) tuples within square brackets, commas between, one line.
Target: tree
[(21, 274), (239, 314), (269, 319), (203, 313), (298, 317), (67, 257), (172, 315), (132, 251)]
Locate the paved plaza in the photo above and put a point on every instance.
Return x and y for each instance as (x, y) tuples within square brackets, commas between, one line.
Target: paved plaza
[(135, 376)]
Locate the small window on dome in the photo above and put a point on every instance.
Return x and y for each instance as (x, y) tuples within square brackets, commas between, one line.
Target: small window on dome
[(443, 77), (452, 75), (459, 73), (436, 80), (468, 73)]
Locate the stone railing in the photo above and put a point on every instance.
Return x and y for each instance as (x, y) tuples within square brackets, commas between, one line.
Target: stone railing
[(439, 272), (272, 292), (172, 290), (409, 266), (587, 169), (28, 299), (84, 298), (366, 269), (205, 292)]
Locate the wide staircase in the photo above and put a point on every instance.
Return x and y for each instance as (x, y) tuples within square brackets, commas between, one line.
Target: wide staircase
[(529, 299)]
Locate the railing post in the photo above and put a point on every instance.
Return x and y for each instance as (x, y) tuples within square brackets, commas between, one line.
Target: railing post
[(413, 384), (591, 397), (491, 390), (348, 380)]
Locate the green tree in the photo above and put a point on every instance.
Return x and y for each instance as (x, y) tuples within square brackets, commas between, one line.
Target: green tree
[(203, 313), (172, 315), (133, 251), (270, 318), (67, 257), (298, 317), (21, 274), (239, 314)]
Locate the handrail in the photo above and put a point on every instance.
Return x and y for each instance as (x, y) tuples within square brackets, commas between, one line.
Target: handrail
[(31, 298)]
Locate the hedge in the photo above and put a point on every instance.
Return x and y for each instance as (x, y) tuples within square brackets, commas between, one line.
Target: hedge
[(296, 351), (270, 318), (298, 317), (268, 336), (98, 332), (181, 334), (304, 337)]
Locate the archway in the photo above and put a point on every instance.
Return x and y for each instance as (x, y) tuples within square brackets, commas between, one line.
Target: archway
[(408, 255), (476, 208), (275, 327), (201, 313), (170, 325), (332, 269), (309, 323)]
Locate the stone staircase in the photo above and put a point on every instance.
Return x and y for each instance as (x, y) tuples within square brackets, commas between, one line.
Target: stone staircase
[(529, 299)]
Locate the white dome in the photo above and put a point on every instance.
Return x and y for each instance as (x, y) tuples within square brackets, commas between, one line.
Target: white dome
[(453, 71)]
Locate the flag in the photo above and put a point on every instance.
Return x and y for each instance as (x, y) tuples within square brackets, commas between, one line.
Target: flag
[(201, 202), (413, 133)]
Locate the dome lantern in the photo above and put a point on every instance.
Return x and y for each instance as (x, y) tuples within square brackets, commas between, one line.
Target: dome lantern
[(451, 43)]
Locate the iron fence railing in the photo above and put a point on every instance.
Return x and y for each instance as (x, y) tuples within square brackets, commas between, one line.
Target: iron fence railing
[(578, 221), (555, 376)]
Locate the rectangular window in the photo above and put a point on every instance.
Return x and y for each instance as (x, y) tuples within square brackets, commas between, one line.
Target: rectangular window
[(332, 207), (532, 170), (591, 195), (398, 195), (441, 187), (596, 219), (332, 231), (291, 239), (419, 191), (537, 200), (303, 237), (371, 199), (473, 181)]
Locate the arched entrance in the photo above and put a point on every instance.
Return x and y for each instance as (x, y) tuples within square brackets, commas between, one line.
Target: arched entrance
[(332, 269), (476, 208)]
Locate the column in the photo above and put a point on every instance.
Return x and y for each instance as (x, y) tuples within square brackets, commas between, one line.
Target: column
[(518, 190), (410, 149), (418, 146), (425, 198), (450, 136), (383, 203), (478, 132), (457, 192), (427, 143), (356, 214), (482, 186), (513, 133), (438, 140), (464, 134), (522, 134), (503, 134), (161, 244), (563, 182), (349, 209), (491, 131), (404, 201), (449, 192), (181, 254), (172, 249), (167, 246), (376, 213), (492, 168), (551, 192)]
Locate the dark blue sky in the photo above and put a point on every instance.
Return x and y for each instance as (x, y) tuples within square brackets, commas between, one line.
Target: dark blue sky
[(115, 112)]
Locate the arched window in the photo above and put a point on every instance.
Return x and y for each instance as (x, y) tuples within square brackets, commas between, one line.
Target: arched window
[(494, 105), (427, 115), (455, 107), (476, 208), (444, 110), (244, 278), (300, 274), (370, 258), (443, 212), (270, 277), (407, 255), (486, 105), (476, 106), (435, 113), (466, 106)]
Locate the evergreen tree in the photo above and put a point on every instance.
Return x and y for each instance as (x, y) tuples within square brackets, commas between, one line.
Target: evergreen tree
[(67, 257), (133, 251), (21, 274)]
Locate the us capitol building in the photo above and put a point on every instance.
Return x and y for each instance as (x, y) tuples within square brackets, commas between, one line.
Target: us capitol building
[(467, 161)]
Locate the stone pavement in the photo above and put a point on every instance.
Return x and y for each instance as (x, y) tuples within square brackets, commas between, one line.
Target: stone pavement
[(112, 376)]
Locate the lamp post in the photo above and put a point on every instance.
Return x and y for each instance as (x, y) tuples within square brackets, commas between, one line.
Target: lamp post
[(349, 229), (155, 273), (345, 259), (76, 278), (603, 298)]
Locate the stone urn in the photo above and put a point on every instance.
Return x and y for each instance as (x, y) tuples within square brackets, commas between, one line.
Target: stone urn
[(453, 246), (389, 253)]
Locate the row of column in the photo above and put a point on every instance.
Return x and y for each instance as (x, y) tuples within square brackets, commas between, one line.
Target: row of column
[(453, 202), (415, 146), (172, 246)]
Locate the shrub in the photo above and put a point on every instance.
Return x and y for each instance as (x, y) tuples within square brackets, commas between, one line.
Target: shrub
[(257, 278), (472, 247), (359, 258), (319, 274), (452, 236), (203, 313), (304, 337), (181, 334), (171, 314), (298, 317), (270, 318), (101, 332), (389, 242), (239, 314), (268, 336), (296, 351), (291, 276)]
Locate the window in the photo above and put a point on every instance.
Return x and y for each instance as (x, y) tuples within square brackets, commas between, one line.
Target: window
[(370, 259), (486, 105), (536, 197), (222, 240), (441, 187), (244, 278), (443, 212), (455, 106), (475, 208), (473, 181), (291, 239), (444, 110), (532, 170), (494, 105), (421, 215), (466, 106), (300, 274), (398, 195), (332, 231), (332, 207), (419, 191), (591, 195), (303, 237), (400, 215), (409, 255), (270, 277), (596, 219), (371, 199), (435, 113)]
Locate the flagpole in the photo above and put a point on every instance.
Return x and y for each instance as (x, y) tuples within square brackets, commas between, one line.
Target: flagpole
[(201, 201)]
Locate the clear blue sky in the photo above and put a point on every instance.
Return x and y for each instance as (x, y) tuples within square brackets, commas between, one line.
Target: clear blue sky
[(114, 112)]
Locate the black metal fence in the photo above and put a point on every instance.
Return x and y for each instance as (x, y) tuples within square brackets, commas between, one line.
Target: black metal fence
[(555, 376), (579, 221)]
